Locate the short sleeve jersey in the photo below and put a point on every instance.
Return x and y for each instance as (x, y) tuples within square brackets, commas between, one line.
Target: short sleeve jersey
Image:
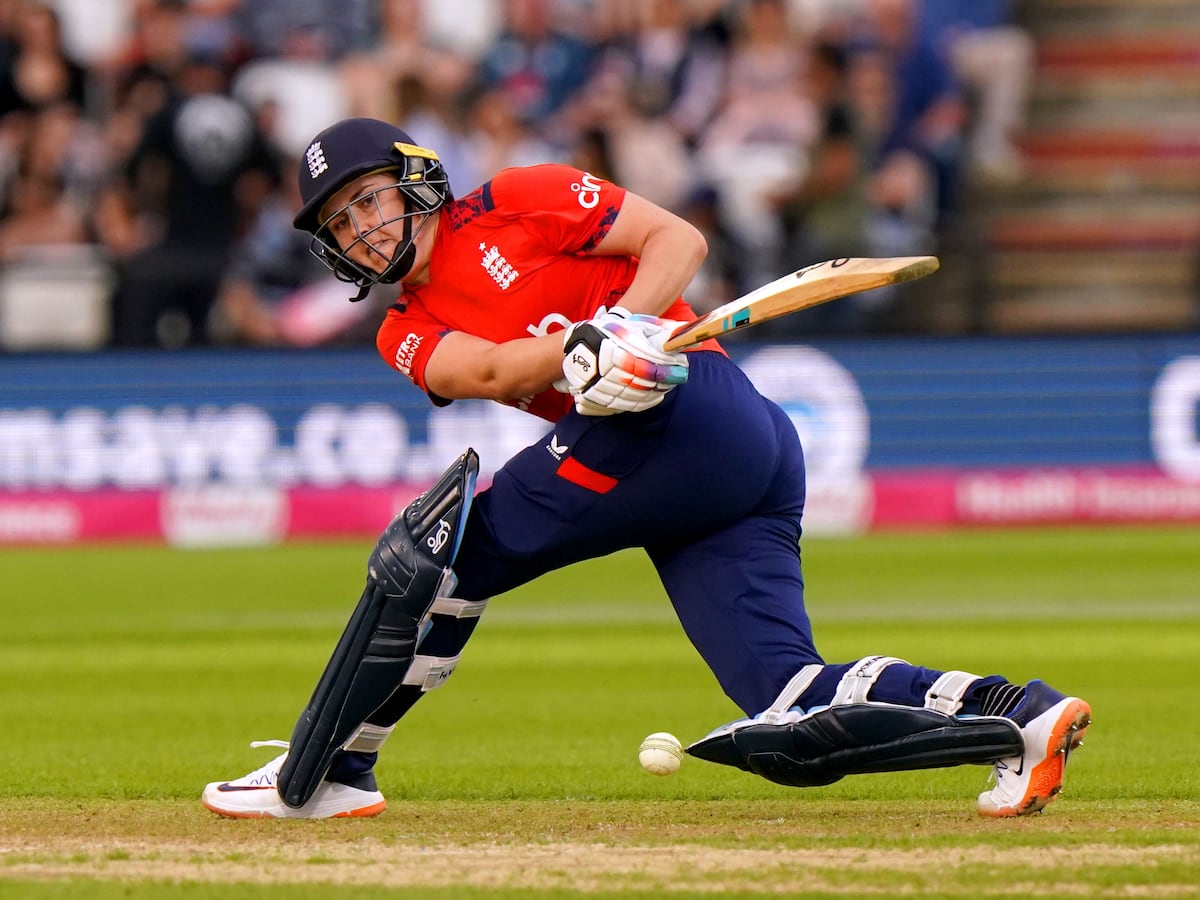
[(510, 260)]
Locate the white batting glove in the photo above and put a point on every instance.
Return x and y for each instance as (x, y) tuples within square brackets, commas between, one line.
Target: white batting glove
[(615, 363)]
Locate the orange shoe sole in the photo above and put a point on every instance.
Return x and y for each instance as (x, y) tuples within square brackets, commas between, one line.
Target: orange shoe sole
[(361, 813), (1046, 780)]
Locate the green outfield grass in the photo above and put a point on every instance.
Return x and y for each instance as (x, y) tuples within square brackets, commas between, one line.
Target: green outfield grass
[(130, 676)]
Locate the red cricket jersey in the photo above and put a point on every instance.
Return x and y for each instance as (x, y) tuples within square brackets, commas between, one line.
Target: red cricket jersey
[(509, 261)]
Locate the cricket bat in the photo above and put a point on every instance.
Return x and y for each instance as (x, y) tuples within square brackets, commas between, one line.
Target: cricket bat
[(810, 286)]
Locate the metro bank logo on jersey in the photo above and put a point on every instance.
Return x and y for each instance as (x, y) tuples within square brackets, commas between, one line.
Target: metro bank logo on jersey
[(406, 352)]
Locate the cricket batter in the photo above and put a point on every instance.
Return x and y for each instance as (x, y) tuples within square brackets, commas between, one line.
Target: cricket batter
[(552, 290)]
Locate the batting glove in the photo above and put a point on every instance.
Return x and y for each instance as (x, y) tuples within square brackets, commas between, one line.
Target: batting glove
[(615, 362)]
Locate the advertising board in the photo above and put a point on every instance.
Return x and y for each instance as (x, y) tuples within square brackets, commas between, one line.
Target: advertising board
[(236, 446)]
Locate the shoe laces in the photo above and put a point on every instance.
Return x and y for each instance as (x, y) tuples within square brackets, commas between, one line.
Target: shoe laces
[(999, 768), (270, 772)]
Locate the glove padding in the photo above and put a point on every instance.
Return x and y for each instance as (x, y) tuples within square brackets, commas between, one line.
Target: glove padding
[(615, 362)]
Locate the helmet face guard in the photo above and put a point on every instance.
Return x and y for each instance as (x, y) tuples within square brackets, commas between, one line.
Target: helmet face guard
[(418, 188), (405, 200)]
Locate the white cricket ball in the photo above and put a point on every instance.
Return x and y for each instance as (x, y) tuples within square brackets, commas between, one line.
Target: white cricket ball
[(661, 753)]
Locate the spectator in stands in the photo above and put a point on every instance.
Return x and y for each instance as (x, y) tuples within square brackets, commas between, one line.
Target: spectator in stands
[(928, 114), (994, 58), (316, 29), (43, 94), (671, 65), (719, 278), (51, 160), (828, 213), (499, 137), (201, 168), (675, 95), (466, 28), (592, 153), (650, 156), (138, 81), (902, 183), (276, 292), (538, 67), (64, 148), (35, 72), (437, 111), (766, 126), (38, 213), (292, 95), (630, 105), (289, 62), (403, 52)]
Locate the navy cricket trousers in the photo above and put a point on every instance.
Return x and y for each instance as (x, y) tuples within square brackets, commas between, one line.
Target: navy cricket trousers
[(710, 483)]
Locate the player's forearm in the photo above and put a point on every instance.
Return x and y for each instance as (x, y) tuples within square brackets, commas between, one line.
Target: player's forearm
[(466, 367), (526, 366), (669, 260)]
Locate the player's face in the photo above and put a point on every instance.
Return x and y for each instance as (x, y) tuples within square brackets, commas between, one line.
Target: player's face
[(368, 222), (369, 219)]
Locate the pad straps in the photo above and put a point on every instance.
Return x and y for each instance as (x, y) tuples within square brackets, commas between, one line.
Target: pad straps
[(459, 609), (368, 738), (946, 694), (429, 672), (860, 678), (792, 691)]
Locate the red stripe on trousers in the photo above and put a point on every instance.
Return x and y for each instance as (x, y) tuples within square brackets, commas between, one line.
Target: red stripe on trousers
[(577, 473)]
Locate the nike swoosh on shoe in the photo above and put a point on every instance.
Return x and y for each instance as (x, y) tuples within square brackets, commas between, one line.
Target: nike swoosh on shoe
[(229, 788)]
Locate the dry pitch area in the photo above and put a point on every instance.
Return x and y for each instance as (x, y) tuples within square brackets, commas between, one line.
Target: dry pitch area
[(780, 847)]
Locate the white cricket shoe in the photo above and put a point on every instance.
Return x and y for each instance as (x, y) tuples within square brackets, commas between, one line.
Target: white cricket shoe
[(1052, 725), (254, 796)]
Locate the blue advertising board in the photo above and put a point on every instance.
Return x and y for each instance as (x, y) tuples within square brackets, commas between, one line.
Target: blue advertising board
[(326, 417)]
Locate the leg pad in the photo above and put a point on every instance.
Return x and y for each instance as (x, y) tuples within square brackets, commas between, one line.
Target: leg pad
[(821, 747), (409, 569)]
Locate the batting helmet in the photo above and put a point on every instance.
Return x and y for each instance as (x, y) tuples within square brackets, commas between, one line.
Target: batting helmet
[(352, 148)]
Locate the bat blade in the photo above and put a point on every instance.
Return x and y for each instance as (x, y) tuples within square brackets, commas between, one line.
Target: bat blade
[(807, 287)]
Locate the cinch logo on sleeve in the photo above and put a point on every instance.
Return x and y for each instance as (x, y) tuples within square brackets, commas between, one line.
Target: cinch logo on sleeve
[(406, 352), (587, 193), (315, 157)]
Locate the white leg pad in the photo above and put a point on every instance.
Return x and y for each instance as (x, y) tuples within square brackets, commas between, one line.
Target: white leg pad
[(860, 678), (946, 694)]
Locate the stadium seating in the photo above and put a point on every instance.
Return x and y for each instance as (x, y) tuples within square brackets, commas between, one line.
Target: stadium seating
[(1103, 233)]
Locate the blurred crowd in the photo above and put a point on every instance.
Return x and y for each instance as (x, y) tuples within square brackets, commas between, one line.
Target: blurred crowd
[(161, 137)]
